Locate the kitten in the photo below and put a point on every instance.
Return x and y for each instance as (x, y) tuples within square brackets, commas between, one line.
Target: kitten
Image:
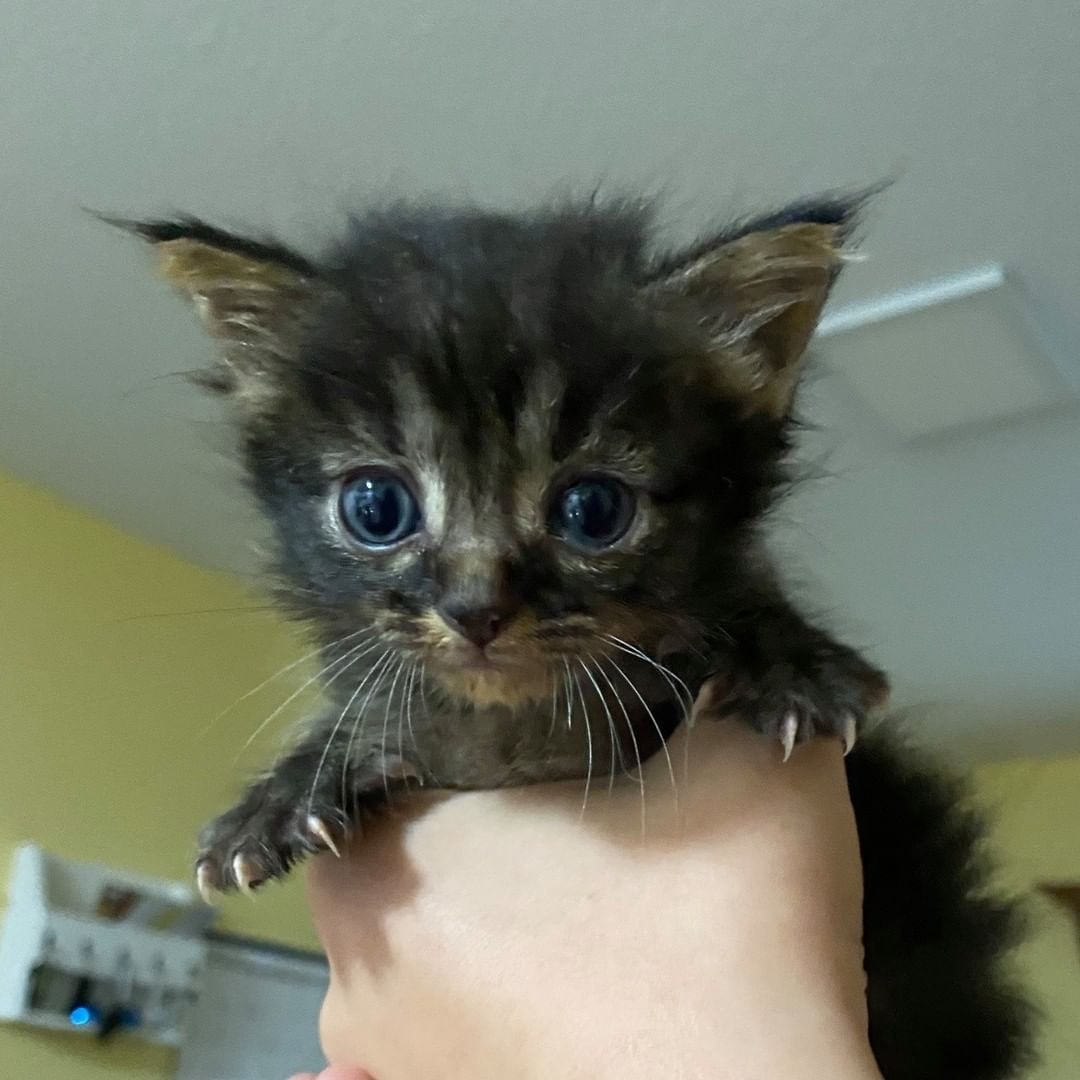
[(517, 467)]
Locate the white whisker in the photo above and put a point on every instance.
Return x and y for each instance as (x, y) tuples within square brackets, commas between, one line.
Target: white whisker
[(554, 706), (692, 643), (406, 694), (285, 670), (610, 722), (668, 675), (423, 693), (588, 738), (340, 720), (329, 743), (408, 715), (633, 740), (569, 697), (374, 672), (659, 732), (386, 721), (345, 663)]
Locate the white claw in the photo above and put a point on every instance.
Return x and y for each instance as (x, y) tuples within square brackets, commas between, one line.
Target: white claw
[(204, 882), (789, 731), (705, 701), (848, 735), (317, 828), (245, 873)]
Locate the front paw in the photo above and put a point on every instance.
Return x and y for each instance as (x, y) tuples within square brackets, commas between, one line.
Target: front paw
[(261, 839), (832, 697)]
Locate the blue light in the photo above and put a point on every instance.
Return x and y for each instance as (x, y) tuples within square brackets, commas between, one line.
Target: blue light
[(80, 1016)]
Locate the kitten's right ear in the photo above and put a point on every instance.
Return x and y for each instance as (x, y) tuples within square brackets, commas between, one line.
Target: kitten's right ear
[(250, 295), (758, 290)]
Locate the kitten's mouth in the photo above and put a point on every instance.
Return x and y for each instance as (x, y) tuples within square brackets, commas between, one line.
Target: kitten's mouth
[(491, 676), (475, 658), (490, 659)]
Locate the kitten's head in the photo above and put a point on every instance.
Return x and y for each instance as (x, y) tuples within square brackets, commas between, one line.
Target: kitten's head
[(494, 443)]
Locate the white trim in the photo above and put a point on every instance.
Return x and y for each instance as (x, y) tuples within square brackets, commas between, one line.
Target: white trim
[(915, 298)]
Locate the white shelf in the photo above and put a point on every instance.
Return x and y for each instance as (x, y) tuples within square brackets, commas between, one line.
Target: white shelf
[(116, 938)]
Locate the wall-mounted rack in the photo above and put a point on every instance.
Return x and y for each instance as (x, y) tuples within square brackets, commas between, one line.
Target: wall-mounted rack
[(88, 948)]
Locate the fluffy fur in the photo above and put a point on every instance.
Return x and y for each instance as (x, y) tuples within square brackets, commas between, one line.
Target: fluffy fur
[(488, 363), (943, 1001)]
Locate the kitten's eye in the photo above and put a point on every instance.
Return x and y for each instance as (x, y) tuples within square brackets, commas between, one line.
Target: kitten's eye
[(378, 508), (593, 512)]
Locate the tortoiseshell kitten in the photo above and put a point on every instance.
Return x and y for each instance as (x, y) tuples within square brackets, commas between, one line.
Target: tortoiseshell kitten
[(516, 467)]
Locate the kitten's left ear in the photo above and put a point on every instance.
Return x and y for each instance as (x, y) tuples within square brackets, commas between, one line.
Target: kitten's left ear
[(250, 296), (759, 291)]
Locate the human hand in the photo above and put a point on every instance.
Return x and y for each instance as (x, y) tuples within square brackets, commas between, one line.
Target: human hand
[(502, 935), (335, 1072)]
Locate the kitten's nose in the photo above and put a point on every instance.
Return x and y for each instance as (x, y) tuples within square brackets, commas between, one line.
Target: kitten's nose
[(480, 625)]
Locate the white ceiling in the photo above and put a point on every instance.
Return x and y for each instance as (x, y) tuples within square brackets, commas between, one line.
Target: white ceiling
[(958, 561)]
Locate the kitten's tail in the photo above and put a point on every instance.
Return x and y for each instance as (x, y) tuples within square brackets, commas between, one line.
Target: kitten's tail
[(943, 1001)]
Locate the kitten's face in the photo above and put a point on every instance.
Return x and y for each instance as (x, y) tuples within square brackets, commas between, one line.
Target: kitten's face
[(498, 447), (489, 536)]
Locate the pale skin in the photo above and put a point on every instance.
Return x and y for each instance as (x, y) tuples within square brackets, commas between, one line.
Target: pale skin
[(502, 934)]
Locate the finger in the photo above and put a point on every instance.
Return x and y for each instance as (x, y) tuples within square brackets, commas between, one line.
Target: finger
[(335, 1072)]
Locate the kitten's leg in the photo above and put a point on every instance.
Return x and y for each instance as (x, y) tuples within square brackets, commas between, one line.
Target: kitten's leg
[(791, 680), (305, 804)]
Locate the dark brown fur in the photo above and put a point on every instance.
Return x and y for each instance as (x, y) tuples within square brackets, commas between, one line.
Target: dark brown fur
[(488, 360)]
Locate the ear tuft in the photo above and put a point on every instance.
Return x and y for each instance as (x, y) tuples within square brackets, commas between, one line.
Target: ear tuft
[(250, 295), (759, 289), (196, 231)]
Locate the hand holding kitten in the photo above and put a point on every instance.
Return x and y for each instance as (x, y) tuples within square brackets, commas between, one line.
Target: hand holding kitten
[(496, 934)]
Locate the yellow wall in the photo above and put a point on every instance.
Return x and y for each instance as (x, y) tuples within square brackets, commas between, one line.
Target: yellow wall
[(106, 690), (1036, 805), (103, 711)]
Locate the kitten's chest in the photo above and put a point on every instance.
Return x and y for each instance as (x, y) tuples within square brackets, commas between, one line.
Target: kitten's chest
[(594, 731)]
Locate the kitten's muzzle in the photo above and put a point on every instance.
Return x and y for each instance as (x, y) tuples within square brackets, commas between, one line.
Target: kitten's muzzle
[(481, 626), (479, 598)]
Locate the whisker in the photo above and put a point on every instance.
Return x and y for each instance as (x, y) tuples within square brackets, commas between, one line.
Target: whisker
[(242, 610), (569, 697), (408, 716), (685, 637), (406, 694), (673, 680), (386, 722), (659, 732), (380, 664), (326, 749), (282, 671), (669, 676), (360, 723), (423, 694), (554, 706), (633, 740), (610, 722), (616, 741), (588, 738), (343, 663)]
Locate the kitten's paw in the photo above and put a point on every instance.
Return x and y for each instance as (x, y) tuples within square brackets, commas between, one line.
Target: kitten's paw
[(793, 707), (801, 723), (253, 844)]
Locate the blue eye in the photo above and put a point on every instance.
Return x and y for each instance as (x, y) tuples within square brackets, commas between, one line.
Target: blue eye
[(593, 512), (378, 508)]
